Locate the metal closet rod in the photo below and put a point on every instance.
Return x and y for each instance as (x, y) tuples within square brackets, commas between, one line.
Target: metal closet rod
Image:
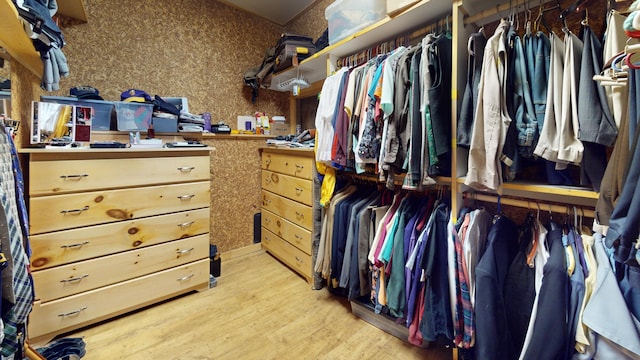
[(497, 10), (531, 205)]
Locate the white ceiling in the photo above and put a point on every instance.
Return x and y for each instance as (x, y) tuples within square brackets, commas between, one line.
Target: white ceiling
[(277, 11)]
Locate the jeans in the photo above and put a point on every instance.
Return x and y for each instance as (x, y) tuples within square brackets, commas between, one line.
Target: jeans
[(63, 347)]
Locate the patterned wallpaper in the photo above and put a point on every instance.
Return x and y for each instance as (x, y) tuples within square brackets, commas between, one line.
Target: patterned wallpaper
[(194, 48)]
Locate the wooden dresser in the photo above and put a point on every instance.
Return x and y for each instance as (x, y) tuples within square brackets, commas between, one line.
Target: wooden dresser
[(287, 207), (114, 230)]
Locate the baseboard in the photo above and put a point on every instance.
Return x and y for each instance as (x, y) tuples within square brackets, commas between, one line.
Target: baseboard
[(239, 252)]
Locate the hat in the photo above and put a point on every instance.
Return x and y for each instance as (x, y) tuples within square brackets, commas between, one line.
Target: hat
[(134, 95), (85, 92)]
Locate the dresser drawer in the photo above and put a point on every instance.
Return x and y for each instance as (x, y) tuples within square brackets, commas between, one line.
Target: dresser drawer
[(64, 176), (62, 247), (295, 212), (294, 165), (294, 234), (65, 280), (291, 187), (287, 253), (78, 310), (57, 212)]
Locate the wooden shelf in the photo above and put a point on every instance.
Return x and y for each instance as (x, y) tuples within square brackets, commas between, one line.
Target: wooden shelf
[(14, 39), (73, 9), (315, 68), (531, 189)]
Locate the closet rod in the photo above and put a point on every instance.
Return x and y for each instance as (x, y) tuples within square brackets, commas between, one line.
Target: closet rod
[(531, 205), (497, 10)]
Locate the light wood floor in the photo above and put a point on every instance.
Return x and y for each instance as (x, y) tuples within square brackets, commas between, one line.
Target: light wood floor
[(259, 310)]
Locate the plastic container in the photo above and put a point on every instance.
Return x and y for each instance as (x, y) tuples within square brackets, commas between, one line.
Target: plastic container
[(347, 17), (133, 116), (165, 125), (103, 111)]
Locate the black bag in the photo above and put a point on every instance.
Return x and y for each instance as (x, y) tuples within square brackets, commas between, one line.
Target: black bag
[(292, 48), (38, 16)]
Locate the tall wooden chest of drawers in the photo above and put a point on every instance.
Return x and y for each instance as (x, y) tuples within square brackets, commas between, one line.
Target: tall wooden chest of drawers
[(287, 207), (114, 230)]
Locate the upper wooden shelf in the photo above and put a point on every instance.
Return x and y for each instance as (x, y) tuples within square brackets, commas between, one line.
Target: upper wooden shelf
[(16, 42), (315, 68), (14, 39), (531, 189)]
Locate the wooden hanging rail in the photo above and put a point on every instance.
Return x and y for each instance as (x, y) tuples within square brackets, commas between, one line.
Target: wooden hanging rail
[(498, 9), (531, 205)]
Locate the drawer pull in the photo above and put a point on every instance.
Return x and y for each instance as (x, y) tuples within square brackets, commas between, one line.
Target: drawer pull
[(299, 215), (74, 177), (268, 221), (73, 313), (266, 202), (185, 278), (299, 167), (64, 281), (298, 238), (268, 162), (298, 260), (186, 168), (184, 252), (299, 190), (75, 211), (187, 224), (72, 246), (186, 197), (267, 180)]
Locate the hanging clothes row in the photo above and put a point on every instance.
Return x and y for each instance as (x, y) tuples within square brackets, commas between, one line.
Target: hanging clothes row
[(535, 291), (16, 282), (534, 97), (389, 250), (391, 115)]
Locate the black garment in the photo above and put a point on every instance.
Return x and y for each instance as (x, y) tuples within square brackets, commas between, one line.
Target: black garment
[(439, 54), (416, 161), (476, 45), (519, 290), (549, 339), (437, 324), (492, 331)]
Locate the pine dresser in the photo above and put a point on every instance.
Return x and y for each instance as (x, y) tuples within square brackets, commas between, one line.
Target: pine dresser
[(287, 207), (113, 230)]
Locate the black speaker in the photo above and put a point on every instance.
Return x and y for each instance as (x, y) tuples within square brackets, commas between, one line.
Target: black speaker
[(257, 225)]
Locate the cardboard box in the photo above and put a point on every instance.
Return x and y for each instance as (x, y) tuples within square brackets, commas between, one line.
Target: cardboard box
[(279, 129)]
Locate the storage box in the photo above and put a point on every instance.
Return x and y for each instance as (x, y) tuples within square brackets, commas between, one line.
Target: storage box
[(166, 125), (133, 116), (103, 113), (395, 7), (347, 17), (279, 129)]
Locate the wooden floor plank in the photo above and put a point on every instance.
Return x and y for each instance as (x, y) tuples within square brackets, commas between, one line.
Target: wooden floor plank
[(260, 309)]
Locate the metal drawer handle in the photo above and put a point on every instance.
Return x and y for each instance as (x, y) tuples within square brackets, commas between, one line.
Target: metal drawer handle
[(184, 252), (74, 279), (268, 162), (74, 245), (299, 167), (267, 180), (74, 177), (73, 313), (268, 221), (186, 168), (187, 224), (299, 190), (75, 211), (299, 214), (267, 239), (185, 278), (266, 201), (186, 197), (298, 238), (298, 260)]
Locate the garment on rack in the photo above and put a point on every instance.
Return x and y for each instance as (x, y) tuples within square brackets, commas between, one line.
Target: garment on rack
[(491, 320), (475, 49)]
